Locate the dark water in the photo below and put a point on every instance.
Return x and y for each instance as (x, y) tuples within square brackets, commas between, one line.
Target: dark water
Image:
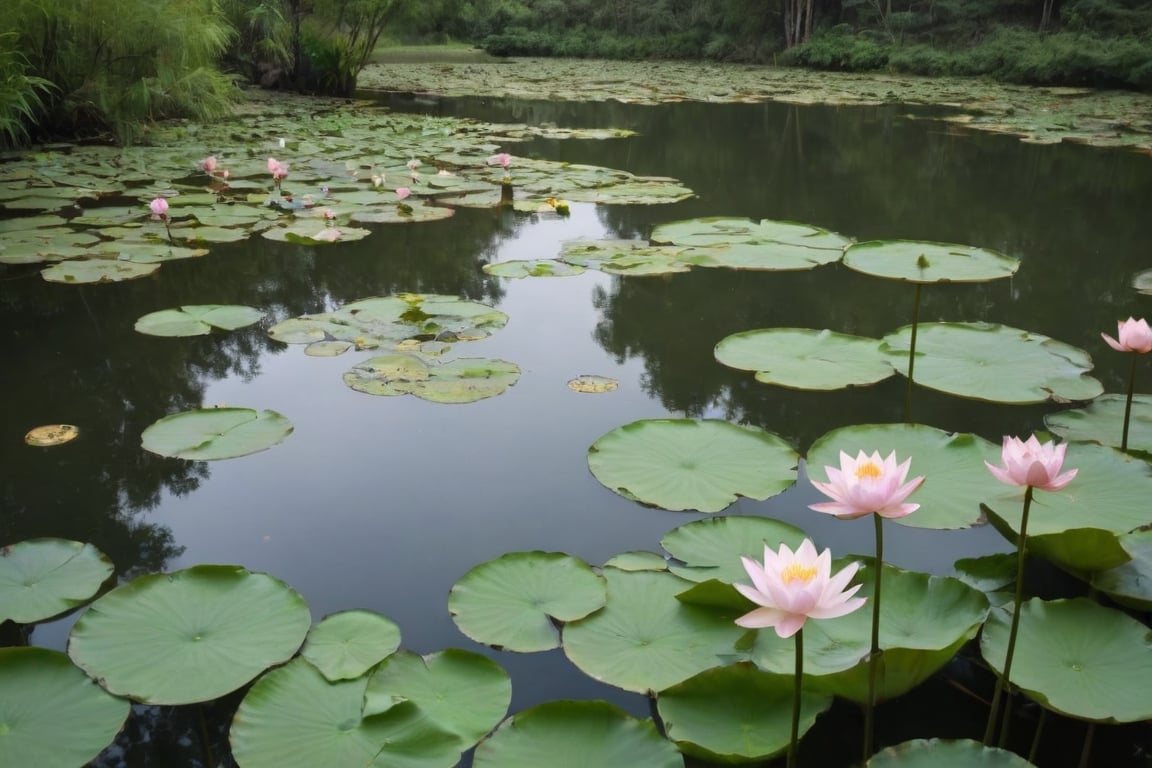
[(383, 503)]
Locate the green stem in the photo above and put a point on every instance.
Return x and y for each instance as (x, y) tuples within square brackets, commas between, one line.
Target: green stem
[(1128, 404), (875, 652), (1035, 750), (204, 741), (912, 356), (1086, 752), (794, 742)]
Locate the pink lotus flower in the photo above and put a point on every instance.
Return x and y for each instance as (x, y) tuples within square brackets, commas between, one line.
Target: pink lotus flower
[(403, 192), (329, 214), (1134, 335), (278, 169), (159, 207), (413, 164), (792, 587), (331, 235), (866, 485), (208, 164), (1031, 463), (503, 160)]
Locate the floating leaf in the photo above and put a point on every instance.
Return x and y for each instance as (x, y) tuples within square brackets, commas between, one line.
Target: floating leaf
[(460, 691), (749, 244), (197, 320), (96, 271), (803, 358), (736, 714), (984, 361), (712, 548), (592, 384), (1142, 282), (1130, 584), (532, 268), (464, 380), (294, 718), (392, 214), (328, 348), (576, 734), (205, 632), (959, 481), (1102, 421), (1076, 657), (638, 192), (644, 639), (42, 578), (41, 691), (926, 262), (510, 602), (684, 464), (349, 643), (623, 257), (207, 434), (314, 232), (51, 435), (934, 753), (638, 561)]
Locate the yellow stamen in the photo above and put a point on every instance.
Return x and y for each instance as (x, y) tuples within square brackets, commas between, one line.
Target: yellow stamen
[(794, 572), (868, 469)]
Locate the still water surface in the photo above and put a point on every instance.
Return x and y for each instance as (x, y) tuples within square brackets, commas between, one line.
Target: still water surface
[(383, 503)]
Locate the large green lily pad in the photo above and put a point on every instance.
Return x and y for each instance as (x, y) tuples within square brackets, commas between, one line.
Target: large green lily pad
[(97, 271), (464, 380), (749, 244), (686, 464), (511, 602), (711, 548), (349, 643), (926, 262), (623, 257), (956, 480), (803, 358), (644, 639), (935, 753), (985, 361), (294, 718), (532, 268), (736, 714), (1076, 657), (42, 578), (208, 434), (204, 631), (51, 714), (197, 320), (1102, 421), (576, 734)]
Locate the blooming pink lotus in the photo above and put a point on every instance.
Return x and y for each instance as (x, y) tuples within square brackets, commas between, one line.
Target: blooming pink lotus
[(1134, 336), (208, 164), (792, 587), (403, 192), (502, 159), (159, 207), (278, 169), (1032, 463), (866, 485), (329, 214)]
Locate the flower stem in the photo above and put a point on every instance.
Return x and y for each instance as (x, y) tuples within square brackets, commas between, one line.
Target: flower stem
[(912, 356), (1128, 403), (875, 653), (1021, 544), (1035, 750), (794, 742), (1086, 752)]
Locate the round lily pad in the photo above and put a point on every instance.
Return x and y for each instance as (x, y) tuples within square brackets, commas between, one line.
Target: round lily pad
[(593, 384), (684, 464), (711, 548), (927, 262), (996, 363), (464, 380), (294, 718), (1142, 282), (197, 320), (204, 632), (953, 465), (207, 434), (576, 734), (52, 715), (749, 244), (51, 435), (1102, 421), (96, 271), (347, 644), (623, 257), (1076, 657), (802, 358), (636, 192), (309, 232), (393, 214), (533, 268), (637, 561), (462, 692), (934, 753), (328, 348), (645, 639), (736, 713), (42, 578), (511, 602)]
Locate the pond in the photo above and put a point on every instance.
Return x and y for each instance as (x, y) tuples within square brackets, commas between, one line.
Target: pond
[(385, 502)]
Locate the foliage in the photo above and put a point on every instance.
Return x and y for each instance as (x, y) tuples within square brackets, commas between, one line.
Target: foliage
[(21, 94)]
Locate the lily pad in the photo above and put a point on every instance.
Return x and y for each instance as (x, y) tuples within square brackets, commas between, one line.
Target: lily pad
[(511, 602), (1076, 657), (638, 560), (51, 435), (39, 691), (624, 257), (927, 262), (934, 753), (208, 434), (1102, 421), (1130, 584), (392, 214), (464, 380), (349, 643), (205, 632), (803, 358), (197, 320), (996, 363), (711, 548), (532, 268), (736, 714), (686, 464), (96, 271), (593, 384), (953, 465), (644, 639), (314, 232), (294, 718), (328, 348), (636, 192), (462, 692), (749, 244), (42, 578), (576, 734)]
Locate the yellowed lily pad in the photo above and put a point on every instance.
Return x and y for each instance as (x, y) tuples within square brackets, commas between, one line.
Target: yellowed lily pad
[(464, 380), (592, 384), (97, 271), (51, 434)]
